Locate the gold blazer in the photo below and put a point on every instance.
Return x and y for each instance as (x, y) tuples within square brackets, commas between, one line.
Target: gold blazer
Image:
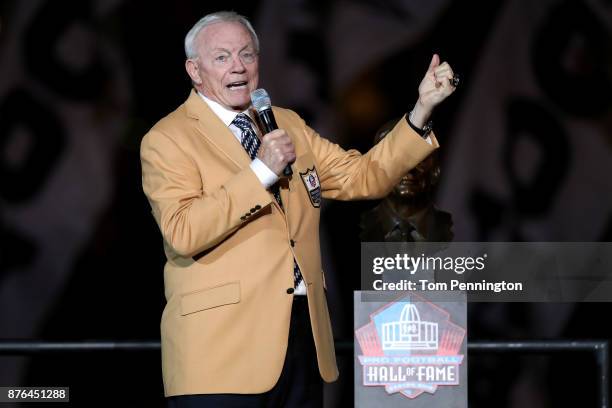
[(230, 248)]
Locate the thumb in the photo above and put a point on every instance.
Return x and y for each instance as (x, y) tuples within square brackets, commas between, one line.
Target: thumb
[(435, 61)]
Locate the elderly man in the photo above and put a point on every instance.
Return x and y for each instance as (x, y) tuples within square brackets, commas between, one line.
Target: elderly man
[(246, 319)]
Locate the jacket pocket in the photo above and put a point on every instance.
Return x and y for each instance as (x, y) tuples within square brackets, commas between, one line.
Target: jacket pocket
[(203, 299)]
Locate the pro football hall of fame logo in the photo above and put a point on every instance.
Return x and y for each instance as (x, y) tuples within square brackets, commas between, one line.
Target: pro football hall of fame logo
[(410, 347)]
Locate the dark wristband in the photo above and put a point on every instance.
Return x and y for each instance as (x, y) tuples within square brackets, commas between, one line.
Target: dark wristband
[(422, 132)]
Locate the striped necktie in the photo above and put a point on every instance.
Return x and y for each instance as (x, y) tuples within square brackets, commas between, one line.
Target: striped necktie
[(251, 144)]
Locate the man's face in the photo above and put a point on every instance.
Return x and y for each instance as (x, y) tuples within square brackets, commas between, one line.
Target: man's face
[(420, 180), (227, 67)]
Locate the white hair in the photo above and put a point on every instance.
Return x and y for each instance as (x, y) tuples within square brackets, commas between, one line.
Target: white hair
[(218, 17)]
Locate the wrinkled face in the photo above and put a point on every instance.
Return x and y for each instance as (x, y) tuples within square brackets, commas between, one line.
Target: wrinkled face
[(227, 68)]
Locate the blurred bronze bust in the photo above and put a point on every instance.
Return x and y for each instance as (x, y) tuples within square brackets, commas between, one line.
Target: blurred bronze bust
[(408, 214)]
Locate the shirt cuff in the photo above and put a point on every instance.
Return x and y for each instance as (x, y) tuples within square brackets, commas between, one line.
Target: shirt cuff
[(266, 176), (428, 140)]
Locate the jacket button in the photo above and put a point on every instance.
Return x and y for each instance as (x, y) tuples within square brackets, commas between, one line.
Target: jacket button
[(258, 207), (290, 290), (292, 243), (247, 215), (253, 210), (243, 218)]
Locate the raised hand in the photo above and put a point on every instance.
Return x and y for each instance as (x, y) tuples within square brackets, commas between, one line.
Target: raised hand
[(435, 87)]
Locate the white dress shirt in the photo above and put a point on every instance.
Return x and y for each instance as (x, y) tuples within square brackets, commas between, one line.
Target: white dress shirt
[(263, 173)]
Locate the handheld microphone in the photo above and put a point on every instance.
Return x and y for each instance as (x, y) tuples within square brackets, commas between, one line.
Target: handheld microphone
[(263, 106)]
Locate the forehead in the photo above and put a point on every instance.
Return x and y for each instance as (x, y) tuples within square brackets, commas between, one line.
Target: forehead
[(224, 35)]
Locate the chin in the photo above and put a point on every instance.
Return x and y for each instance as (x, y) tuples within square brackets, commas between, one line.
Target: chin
[(404, 190), (405, 194), (410, 192), (240, 103)]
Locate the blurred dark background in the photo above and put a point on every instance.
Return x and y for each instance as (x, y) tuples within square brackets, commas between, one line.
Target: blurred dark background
[(526, 149)]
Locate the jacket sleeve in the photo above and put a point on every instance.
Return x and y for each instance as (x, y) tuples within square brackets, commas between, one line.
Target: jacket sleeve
[(191, 218), (349, 175)]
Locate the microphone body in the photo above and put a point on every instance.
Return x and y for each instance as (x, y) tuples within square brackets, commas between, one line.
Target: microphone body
[(266, 116), (263, 106)]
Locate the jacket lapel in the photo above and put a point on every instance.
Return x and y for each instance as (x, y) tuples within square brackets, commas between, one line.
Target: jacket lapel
[(215, 131), (219, 135)]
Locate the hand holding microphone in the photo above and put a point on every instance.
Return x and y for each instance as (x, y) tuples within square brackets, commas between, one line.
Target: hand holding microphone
[(277, 150)]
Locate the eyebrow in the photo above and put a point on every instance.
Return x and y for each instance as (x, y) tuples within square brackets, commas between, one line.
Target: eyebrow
[(229, 52)]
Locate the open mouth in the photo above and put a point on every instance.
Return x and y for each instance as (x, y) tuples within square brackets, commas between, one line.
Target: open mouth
[(233, 86)]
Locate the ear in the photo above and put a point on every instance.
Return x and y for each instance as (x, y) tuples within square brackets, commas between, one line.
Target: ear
[(191, 66)]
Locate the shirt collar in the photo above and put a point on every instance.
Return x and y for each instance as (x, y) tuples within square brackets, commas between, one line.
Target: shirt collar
[(227, 116)]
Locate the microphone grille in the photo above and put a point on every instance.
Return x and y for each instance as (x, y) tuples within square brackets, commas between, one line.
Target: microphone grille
[(260, 99)]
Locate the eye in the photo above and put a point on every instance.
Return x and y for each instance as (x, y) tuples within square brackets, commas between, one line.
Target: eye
[(247, 57), (221, 58)]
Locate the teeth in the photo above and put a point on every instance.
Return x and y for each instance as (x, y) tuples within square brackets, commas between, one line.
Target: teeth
[(237, 85)]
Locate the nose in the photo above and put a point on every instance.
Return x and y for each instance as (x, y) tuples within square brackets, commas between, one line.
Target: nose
[(237, 65)]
